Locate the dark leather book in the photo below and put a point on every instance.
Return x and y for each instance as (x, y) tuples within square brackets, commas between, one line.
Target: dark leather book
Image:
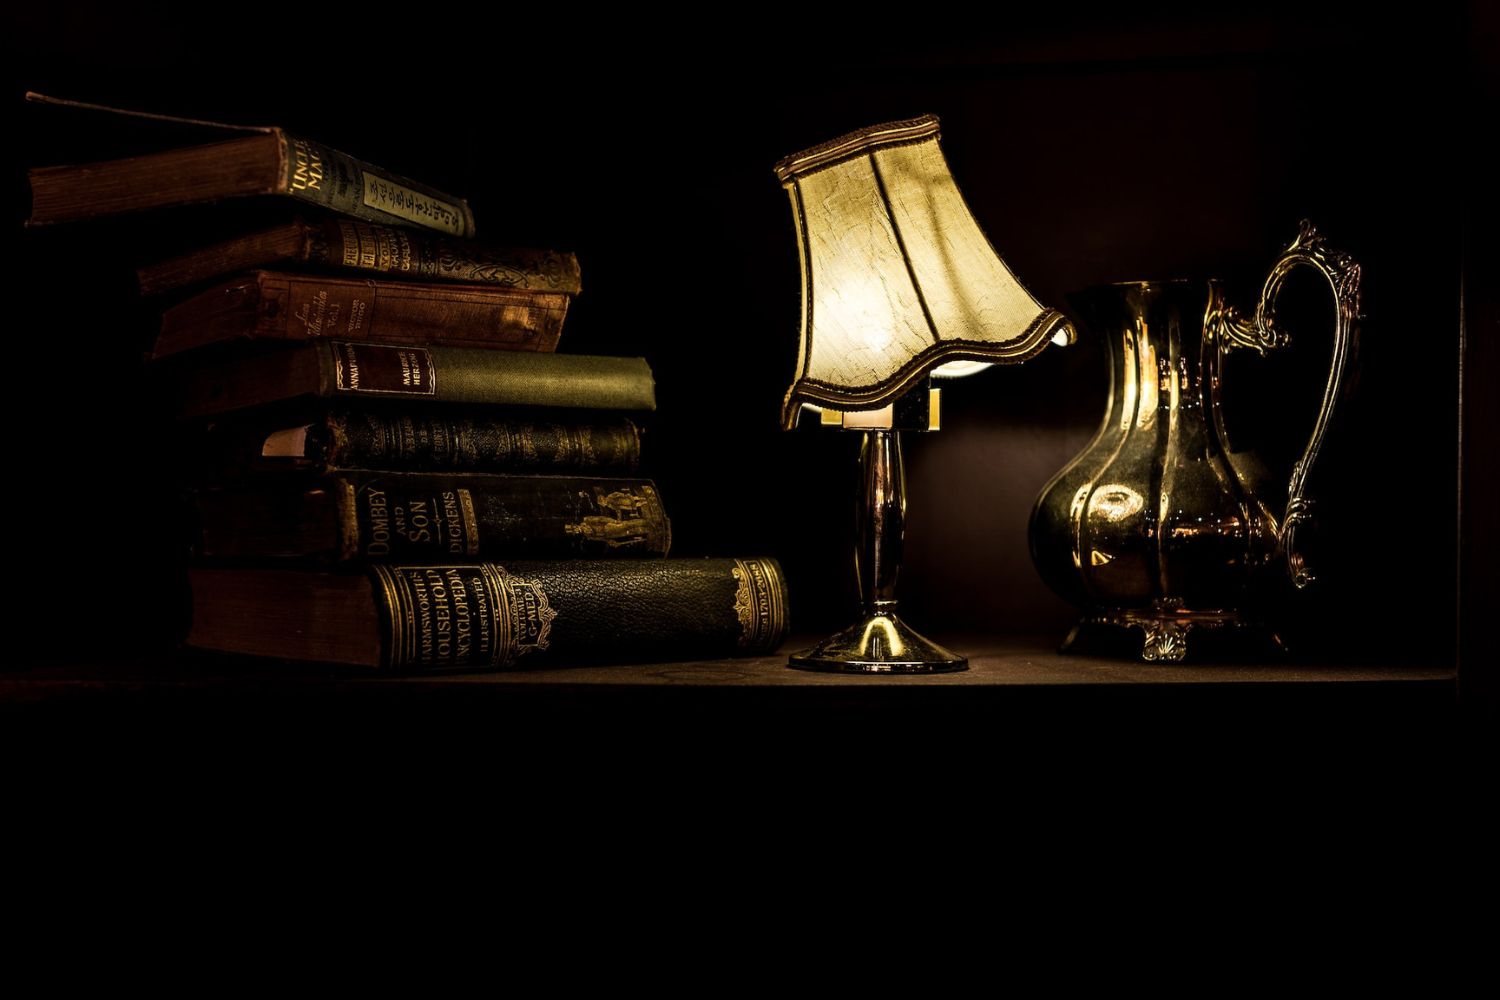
[(488, 616), (387, 251), (411, 517), (255, 160), (277, 305), (378, 372), (433, 438)]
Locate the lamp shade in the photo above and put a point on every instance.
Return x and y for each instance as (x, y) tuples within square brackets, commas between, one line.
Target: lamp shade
[(897, 277)]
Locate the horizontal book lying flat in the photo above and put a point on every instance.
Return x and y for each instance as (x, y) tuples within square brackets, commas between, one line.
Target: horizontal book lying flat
[(369, 372), (410, 517), (258, 160), (276, 305), (435, 438), (488, 616), (389, 251)]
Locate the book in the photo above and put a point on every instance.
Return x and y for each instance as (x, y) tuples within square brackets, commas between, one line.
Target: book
[(410, 517), (435, 438), (487, 616), (275, 305), (412, 374), (389, 251), (258, 160)]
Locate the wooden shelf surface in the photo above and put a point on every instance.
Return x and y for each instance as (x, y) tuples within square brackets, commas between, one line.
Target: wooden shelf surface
[(996, 662), (1020, 701)]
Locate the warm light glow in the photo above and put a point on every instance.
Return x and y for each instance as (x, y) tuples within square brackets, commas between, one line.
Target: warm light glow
[(1115, 501), (960, 369), (1150, 384), (892, 639), (1075, 515), (1130, 376), (870, 420), (898, 280)]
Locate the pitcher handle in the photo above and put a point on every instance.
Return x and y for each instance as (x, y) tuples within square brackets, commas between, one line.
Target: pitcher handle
[(1262, 333)]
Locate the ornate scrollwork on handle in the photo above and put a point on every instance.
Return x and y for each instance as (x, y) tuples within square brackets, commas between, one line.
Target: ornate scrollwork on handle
[(1299, 510), (1235, 331), (1262, 333)]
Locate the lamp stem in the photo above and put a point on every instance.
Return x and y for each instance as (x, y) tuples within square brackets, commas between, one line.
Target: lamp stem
[(881, 517), (881, 643)]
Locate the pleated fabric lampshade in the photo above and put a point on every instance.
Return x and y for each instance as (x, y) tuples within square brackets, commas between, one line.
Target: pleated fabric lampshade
[(898, 280)]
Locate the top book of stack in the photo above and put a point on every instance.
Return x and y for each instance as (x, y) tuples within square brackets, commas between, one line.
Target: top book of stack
[(261, 160)]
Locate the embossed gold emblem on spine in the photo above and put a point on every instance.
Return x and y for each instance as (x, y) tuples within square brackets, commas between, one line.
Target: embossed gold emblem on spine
[(460, 617), (527, 618), (759, 604), (624, 518)]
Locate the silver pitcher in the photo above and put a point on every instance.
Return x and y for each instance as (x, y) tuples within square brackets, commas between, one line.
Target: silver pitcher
[(1156, 525)]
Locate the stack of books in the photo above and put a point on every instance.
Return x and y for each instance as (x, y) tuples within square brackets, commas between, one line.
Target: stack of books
[(391, 466)]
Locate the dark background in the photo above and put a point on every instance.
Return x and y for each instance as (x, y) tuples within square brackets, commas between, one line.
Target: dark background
[(1091, 148)]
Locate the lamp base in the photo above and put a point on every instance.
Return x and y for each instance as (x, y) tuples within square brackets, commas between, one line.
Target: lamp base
[(881, 644)]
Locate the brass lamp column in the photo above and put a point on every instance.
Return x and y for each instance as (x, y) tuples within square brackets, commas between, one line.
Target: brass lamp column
[(898, 284), (881, 642)]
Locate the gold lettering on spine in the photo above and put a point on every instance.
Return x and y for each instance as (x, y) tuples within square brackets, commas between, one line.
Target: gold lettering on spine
[(463, 618), (307, 166), (528, 615), (376, 368), (385, 249), (346, 367), (447, 617), (777, 623), (441, 621), (350, 250), (470, 523), (378, 521), (502, 641), (393, 198), (360, 309), (310, 312), (759, 604)]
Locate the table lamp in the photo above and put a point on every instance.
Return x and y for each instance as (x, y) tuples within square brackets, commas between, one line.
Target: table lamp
[(898, 284)]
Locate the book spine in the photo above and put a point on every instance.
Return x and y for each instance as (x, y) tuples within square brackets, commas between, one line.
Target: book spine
[(381, 249), (424, 519), (364, 439), (368, 373), (464, 375), (522, 615), (299, 307), (290, 243), (337, 181)]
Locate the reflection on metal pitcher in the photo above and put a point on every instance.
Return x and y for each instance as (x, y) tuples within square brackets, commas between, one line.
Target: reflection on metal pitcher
[(1156, 524)]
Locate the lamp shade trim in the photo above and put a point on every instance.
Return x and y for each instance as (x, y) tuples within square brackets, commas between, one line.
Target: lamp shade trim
[(839, 397), (856, 143)]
